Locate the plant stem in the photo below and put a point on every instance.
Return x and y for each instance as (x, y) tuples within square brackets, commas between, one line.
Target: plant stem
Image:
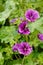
[(26, 38), (16, 56), (19, 56), (23, 61)]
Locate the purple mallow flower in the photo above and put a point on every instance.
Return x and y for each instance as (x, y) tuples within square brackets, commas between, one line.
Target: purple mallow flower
[(23, 29), (25, 48), (31, 15), (15, 47), (40, 36)]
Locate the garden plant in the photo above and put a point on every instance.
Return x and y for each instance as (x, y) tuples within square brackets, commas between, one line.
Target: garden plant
[(21, 32)]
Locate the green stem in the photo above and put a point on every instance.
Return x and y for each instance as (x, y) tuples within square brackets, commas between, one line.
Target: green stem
[(26, 38), (16, 56), (23, 61), (19, 56)]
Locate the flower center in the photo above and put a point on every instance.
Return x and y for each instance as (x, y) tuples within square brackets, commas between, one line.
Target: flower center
[(24, 48), (31, 16)]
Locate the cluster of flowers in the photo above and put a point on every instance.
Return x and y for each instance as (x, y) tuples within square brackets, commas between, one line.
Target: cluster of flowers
[(24, 47)]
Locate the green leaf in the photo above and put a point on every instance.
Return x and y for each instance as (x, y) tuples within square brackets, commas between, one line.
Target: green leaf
[(9, 7), (40, 58), (34, 41), (13, 62), (30, 62), (31, 59), (35, 25), (41, 45), (9, 34), (8, 53), (40, 29)]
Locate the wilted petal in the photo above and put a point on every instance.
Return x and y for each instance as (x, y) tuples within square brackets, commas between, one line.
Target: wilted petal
[(21, 18), (13, 20)]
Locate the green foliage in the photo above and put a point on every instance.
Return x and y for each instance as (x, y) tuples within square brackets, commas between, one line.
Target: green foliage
[(1, 59), (36, 25), (13, 62), (40, 58), (34, 59), (8, 34), (9, 6)]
